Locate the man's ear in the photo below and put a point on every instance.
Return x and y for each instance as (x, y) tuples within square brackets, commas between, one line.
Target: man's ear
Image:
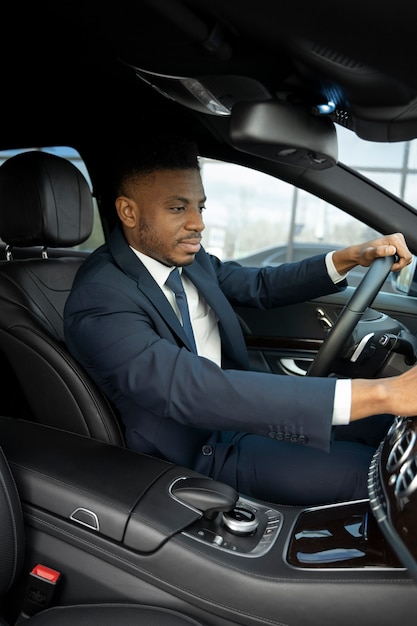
[(127, 211)]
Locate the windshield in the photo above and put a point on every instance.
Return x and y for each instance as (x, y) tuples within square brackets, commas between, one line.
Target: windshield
[(393, 165)]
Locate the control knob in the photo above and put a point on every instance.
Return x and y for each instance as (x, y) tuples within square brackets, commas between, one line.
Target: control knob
[(240, 521)]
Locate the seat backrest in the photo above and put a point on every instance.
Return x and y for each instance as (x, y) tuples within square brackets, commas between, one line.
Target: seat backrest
[(12, 543), (45, 204)]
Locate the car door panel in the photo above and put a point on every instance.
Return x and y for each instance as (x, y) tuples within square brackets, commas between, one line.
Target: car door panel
[(285, 340)]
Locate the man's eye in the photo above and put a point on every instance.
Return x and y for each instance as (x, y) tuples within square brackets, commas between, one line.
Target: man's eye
[(179, 209)]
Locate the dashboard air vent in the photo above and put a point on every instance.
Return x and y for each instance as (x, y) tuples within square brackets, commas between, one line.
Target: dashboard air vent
[(401, 450), (406, 483)]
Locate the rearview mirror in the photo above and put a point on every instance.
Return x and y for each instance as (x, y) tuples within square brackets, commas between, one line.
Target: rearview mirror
[(285, 133)]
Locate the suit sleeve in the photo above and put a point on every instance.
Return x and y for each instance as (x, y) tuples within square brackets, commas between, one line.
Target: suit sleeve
[(269, 287)]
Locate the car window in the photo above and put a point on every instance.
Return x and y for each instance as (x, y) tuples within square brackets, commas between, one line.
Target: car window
[(392, 165), (97, 236), (258, 220)]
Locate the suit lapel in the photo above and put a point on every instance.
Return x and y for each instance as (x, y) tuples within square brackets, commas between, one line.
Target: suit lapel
[(230, 332), (129, 263)]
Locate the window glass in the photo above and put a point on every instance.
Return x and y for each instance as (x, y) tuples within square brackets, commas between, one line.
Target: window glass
[(259, 220), (251, 216), (392, 165), (97, 236)]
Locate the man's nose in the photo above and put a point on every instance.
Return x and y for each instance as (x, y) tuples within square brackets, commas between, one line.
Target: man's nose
[(195, 221)]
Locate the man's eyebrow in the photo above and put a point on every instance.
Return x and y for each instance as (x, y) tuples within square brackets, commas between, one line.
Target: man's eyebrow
[(183, 199)]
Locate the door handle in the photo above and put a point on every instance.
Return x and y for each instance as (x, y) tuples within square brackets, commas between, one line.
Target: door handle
[(291, 367)]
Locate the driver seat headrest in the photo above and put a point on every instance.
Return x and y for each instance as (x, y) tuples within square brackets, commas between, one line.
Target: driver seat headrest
[(45, 201)]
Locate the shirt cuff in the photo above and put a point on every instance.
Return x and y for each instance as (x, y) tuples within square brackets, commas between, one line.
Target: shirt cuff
[(332, 271), (342, 402)]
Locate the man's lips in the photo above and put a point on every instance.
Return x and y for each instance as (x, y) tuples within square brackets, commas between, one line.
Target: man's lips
[(191, 245)]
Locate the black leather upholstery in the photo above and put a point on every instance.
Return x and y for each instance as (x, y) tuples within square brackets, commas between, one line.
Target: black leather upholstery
[(12, 544), (45, 201), (110, 615)]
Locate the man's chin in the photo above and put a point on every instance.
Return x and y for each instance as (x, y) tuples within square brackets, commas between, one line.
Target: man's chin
[(180, 261), (187, 261)]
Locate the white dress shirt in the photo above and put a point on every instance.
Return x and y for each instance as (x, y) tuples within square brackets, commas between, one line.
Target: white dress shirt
[(343, 392), (203, 318), (206, 331)]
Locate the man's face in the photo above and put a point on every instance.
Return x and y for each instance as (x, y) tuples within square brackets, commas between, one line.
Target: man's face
[(163, 215)]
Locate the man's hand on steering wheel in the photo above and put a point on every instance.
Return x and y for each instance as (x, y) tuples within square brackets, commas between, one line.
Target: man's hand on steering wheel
[(364, 254), (390, 253)]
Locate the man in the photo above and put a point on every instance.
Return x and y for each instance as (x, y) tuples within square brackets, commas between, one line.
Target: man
[(270, 437)]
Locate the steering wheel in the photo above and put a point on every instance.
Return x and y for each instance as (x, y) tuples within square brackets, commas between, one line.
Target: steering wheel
[(352, 312)]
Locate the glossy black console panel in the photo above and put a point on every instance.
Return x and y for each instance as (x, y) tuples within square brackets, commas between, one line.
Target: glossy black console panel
[(338, 537)]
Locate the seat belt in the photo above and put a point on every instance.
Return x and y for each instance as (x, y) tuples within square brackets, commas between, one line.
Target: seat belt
[(40, 589)]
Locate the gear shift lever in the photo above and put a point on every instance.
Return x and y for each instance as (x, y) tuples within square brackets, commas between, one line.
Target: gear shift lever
[(207, 495)]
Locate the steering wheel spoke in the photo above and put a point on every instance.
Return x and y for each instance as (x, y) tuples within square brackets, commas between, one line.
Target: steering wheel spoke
[(351, 314)]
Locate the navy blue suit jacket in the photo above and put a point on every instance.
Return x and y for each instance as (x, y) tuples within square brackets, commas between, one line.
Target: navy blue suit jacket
[(120, 326)]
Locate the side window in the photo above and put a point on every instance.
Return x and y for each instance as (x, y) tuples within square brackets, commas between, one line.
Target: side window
[(259, 220), (97, 235)]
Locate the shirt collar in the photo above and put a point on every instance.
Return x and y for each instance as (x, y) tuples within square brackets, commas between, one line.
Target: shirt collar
[(158, 270)]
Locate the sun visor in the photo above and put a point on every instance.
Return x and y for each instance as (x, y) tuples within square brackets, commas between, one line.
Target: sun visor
[(285, 133)]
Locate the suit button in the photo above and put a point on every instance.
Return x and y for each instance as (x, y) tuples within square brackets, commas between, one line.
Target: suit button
[(271, 435), (302, 439), (207, 450)]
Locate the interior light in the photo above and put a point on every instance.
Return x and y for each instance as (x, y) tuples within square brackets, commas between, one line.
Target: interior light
[(203, 95), (324, 109), (175, 88)]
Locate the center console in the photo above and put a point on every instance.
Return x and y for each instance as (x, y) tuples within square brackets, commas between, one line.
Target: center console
[(124, 526)]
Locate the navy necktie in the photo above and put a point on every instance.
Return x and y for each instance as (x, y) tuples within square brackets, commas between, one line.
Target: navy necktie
[(174, 282)]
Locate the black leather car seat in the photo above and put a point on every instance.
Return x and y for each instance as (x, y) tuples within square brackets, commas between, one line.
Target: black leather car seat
[(12, 548), (45, 204)]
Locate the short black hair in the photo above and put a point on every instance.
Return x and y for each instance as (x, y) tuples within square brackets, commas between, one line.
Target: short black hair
[(153, 153)]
